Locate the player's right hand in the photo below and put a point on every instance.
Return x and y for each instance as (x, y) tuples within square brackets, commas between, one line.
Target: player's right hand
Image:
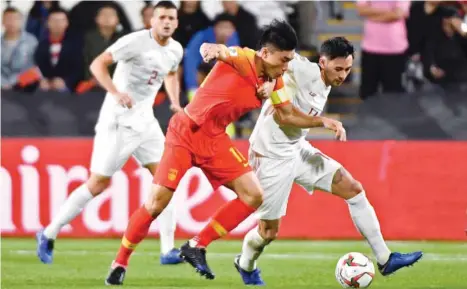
[(336, 126), (124, 99), (209, 51)]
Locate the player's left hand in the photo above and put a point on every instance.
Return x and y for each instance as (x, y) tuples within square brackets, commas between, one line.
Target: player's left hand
[(265, 90), (336, 126), (175, 108)]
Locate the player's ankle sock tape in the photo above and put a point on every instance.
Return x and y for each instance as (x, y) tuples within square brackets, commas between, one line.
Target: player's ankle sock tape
[(137, 230)]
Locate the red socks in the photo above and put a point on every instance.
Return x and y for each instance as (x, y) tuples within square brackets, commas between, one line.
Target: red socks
[(136, 231), (227, 218)]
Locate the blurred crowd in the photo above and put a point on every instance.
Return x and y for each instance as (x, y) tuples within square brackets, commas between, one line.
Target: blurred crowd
[(51, 48), (405, 45), (409, 44)]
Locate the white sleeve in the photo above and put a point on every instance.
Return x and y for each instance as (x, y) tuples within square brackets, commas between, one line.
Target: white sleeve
[(125, 48), (307, 71), (179, 56)]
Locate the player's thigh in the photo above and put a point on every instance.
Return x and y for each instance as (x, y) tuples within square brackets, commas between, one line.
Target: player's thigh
[(276, 178), (315, 170), (112, 147), (175, 162), (151, 148), (225, 164)]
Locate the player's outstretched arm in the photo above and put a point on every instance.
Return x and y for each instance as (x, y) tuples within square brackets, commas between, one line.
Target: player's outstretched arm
[(172, 86), (210, 51), (287, 114), (99, 68)]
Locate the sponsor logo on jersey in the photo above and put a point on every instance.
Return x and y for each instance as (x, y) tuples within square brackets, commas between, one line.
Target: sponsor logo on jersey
[(233, 51)]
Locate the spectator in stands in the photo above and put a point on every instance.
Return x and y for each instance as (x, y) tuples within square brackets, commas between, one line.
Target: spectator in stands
[(146, 15), (223, 32), (104, 35), (82, 16), (384, 45), (191, 19), (245, 23), (37, 18), (59, 56), (463, 14), (17, 48), (436, 35)]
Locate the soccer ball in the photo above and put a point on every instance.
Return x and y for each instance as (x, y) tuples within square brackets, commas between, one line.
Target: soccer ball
[(355, 270)]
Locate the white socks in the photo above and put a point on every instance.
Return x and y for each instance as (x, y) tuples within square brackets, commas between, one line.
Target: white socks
[(167, 222), (253, 245), (364, 218), (70, 209)]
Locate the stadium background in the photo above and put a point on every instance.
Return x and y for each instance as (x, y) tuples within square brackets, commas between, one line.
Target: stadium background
[(408, 149)]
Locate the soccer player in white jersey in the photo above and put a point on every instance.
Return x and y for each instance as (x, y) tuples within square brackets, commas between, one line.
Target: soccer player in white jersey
[(126, 125), (281, 156)]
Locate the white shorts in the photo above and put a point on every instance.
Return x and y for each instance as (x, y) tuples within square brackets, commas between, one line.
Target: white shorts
[(311, 169), (114, 144)]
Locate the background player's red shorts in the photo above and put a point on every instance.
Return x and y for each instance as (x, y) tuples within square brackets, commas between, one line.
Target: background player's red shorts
[(186, 145)]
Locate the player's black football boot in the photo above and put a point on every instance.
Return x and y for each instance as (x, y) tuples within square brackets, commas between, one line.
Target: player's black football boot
[(116, 275), (196, 257)]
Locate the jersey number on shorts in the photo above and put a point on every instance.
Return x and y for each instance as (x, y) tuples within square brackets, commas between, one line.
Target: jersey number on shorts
[(238, 156), (152, 77)]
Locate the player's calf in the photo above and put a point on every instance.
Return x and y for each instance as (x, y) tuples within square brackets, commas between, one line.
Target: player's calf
[(140, 221), (73, 206), (254, 243), (362, 213)]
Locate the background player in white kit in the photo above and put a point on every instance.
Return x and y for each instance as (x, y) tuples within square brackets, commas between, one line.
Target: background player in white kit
[(280, 156), (126, 125)]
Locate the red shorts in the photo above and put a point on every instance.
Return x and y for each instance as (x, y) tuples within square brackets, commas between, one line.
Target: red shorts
[(186, 145)]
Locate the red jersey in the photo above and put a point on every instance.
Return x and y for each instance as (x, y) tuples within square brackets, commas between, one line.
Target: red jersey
[(228, 92)]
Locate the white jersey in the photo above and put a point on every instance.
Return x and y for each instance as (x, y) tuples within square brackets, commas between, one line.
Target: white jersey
[(142, 66), (308, 92)]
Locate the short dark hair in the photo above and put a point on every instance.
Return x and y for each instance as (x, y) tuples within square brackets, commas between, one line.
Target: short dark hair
[(11, 10), (166, 5), (224, 17), (58, 10), (337, 47), (280, 35)]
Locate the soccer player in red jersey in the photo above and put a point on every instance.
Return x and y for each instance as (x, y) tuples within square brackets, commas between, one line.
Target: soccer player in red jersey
[(196, 137)]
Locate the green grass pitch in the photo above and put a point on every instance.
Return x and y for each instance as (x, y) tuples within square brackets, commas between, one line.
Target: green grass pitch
[(285, 264)]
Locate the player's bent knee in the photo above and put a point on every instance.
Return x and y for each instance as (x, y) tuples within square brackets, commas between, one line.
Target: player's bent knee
[(345, 186), (159, 199), (248, 189), (97, 184), (253, 198), (268, 230), (356, 187)]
